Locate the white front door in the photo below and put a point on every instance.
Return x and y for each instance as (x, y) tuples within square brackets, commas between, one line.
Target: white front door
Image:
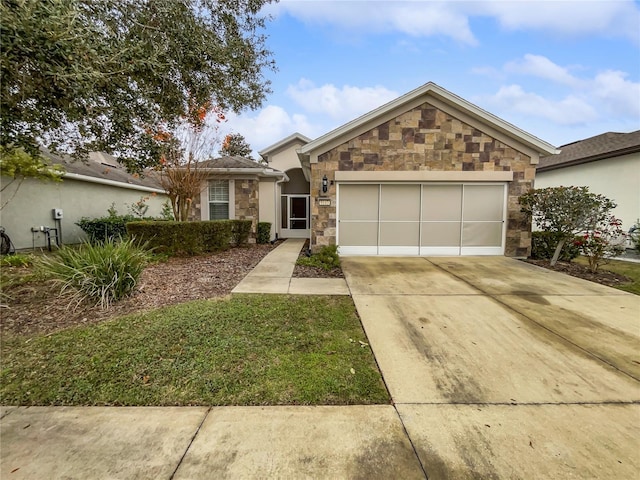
[(295, 214)]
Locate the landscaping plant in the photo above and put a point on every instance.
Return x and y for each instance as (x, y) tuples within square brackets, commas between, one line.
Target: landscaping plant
[(599, 245), (327, 258), (100, 273), (567, 211)]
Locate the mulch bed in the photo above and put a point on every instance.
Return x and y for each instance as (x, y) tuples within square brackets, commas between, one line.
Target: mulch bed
[(603, 277), (37, 307)]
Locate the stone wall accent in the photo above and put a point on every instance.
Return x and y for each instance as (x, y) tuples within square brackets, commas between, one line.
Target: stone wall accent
[(246, 208), (424, 138)]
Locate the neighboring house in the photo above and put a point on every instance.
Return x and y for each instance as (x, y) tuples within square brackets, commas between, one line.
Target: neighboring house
[(609, 164), (426, 174), (88, 189)]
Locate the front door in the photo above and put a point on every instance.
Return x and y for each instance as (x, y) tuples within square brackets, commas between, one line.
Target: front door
[(294, 215)]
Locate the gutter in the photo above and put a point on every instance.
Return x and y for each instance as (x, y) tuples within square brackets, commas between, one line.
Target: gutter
[(111, 183)]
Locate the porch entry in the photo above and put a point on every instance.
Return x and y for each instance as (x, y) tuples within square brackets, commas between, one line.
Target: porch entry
[(295, 216), (422, 218)]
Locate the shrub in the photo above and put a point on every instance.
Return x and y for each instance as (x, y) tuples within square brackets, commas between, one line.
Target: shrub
[(264, 232), (602, 244), (17, 260), (543, 245), (327, 258), (183, 238), (100, 273), (634, 233), (100, 230), (240, 230)]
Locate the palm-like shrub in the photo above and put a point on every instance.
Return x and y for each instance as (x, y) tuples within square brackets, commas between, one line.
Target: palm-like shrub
[(99, 273)]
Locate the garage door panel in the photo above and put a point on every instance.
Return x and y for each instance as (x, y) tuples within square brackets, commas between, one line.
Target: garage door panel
[(440, 234), (483, 202), (399, 234), (400, 202), (482, 234), (421, 219), (359, 202), (359, 233), (441, 202)]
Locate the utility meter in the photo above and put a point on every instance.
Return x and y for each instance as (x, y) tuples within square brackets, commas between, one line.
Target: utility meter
[(57, 213)]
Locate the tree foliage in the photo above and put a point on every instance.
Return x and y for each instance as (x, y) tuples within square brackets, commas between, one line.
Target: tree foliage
[(234, 144), (568, 211), (82, 75), (183, 173)]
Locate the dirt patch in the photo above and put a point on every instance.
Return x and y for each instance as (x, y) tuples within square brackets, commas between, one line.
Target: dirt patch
[(305, 271), (37, 307), (603, 277)]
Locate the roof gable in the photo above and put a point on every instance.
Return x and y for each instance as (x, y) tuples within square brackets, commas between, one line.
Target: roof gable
[(431, 93), (295, 138), (600, 147)]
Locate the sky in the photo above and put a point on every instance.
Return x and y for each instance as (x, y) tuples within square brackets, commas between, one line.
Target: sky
[(560, 70)]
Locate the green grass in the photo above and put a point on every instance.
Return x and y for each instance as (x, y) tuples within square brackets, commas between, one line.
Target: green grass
[(628, 269), (246, 350)]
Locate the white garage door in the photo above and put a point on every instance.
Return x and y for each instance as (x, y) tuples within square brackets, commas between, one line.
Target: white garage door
[(421, 219)]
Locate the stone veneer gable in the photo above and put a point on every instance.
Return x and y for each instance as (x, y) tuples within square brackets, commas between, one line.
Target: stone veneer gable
[(424, 138)]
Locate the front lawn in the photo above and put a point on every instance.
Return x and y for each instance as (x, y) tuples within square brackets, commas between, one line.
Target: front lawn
[(243, 350), (630, 270)]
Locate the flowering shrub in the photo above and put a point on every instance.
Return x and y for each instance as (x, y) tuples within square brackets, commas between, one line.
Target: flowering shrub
[(600, 244)]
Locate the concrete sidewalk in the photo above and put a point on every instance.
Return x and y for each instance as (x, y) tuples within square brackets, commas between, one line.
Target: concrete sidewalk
[(274, 275), (201, 442)]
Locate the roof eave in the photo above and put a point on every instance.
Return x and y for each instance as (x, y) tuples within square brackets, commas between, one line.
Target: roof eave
[(592, 158)]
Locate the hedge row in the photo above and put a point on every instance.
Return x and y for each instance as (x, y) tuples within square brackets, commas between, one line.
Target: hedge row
[(190, 238)]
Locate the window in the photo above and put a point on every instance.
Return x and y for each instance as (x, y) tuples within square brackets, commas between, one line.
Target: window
[(218, 200)]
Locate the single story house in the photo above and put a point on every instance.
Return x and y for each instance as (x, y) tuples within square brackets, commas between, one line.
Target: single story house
[(426, 174), (609, 164), (88, 189)]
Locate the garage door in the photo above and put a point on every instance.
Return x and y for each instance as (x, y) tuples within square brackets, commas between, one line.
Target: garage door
[(421, 219)]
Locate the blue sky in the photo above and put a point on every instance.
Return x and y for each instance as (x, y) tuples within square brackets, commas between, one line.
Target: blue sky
[(561, 70)]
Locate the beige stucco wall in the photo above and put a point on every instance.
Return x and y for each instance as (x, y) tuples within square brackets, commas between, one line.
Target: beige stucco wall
[(286, 158), (615, 178), (425, 138), (267, 201), (34, 200)]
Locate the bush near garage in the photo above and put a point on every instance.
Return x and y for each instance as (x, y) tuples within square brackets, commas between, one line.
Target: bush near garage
[(543, 245)]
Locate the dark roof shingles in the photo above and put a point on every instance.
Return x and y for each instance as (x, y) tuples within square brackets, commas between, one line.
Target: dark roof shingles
[(601, 146)]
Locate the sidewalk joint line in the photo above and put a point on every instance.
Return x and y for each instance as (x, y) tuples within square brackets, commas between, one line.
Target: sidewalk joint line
[(173, 474), (413, 447)]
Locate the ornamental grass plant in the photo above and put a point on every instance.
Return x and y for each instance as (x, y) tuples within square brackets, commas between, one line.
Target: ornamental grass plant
[(99, 273)]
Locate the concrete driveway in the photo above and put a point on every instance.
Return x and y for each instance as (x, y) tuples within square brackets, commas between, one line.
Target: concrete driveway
[(500, 369)]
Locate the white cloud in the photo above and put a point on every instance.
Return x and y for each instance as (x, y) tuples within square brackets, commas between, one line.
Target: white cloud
[(419, 18), (414, 18), (268, 126), (539, 66), (578, 100), (587, 17), (617, 94), (570, 110), (341, 104)]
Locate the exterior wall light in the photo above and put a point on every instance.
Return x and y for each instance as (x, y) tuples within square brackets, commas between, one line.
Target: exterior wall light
[(325, 184)]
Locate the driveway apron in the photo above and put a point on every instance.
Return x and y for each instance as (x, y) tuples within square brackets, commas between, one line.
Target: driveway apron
[(501, 369)]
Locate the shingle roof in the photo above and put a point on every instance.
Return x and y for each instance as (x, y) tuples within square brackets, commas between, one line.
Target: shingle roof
[(104, 166), (231, 162), (600, 147)]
